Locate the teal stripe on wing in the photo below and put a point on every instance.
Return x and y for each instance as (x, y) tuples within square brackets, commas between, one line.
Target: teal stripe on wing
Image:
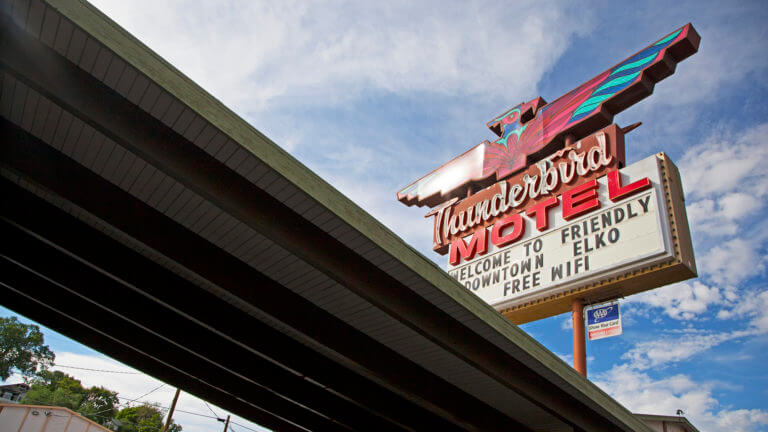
[(668, 38), (616, 82), (642, 62), (590, 104)]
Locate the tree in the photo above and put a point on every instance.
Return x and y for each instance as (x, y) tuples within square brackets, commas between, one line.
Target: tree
[(143, 418), (99, 404), (55, 388), (22, 349)]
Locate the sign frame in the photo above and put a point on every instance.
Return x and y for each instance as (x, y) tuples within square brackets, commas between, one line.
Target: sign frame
[(535, 262), (680, 266)]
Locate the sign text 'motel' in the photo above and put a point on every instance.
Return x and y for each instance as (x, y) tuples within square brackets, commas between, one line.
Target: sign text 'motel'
[(549, 211)]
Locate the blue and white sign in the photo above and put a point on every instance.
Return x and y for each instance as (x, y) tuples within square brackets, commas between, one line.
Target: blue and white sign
[(604, 321)]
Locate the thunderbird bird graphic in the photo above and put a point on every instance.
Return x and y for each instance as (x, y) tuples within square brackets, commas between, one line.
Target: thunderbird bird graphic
[(532, 130)]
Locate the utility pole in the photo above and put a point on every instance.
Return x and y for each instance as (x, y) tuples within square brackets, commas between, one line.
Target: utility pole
[(226, 425), (173, 407)]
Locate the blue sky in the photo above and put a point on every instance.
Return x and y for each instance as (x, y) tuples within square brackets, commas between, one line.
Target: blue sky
[(372, 96)]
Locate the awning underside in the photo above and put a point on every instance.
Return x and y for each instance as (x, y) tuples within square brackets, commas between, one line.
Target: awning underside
[(133, 224)]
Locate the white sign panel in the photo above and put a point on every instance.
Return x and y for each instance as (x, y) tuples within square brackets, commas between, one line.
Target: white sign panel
[(604, 321), (615, 238)]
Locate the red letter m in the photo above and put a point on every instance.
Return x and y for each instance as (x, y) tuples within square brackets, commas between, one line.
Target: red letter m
[(478, 244)]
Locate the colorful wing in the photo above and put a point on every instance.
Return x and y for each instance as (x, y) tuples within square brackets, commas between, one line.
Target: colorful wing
[(532, 130), (621, 86)]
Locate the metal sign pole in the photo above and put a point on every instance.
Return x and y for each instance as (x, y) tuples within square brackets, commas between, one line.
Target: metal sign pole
[(579, 345), (577, 317)]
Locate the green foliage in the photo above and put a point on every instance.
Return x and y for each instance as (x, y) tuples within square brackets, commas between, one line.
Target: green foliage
[(55, 388), (60, 397), (143, 418), (99, 404), (22, 349)]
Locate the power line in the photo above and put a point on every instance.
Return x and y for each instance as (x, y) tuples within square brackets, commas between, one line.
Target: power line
[(215, 416), (158, 406), (98, 370), (231, 422), (126, 400), (197, 414), (211, 409), (99, 412), (146, 394), (243, 426), (113, 418)]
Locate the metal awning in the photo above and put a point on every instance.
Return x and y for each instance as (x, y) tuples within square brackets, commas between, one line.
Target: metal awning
[(143, 218)]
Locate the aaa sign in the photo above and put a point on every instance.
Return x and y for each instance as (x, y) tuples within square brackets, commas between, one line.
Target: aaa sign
[(604, 321)]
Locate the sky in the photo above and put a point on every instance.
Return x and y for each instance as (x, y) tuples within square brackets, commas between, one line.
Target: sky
[(374, 95)]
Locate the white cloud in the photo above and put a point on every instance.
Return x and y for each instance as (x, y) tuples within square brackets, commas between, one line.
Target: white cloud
[(728, 163), (733, 261), (662, 350), (723, 58), (640, 393), (738, 204), (687, 301), (691, 100), (682, 301), (723, 216), (251, 53), (726, 182), (748, 307), (751, 305), (567, 323)]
